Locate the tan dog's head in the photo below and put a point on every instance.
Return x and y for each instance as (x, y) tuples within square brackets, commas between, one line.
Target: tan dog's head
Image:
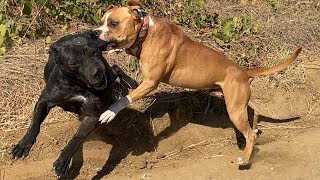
[(120, 26)]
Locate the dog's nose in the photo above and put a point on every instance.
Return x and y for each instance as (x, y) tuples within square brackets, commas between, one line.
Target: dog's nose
[(96, 33)]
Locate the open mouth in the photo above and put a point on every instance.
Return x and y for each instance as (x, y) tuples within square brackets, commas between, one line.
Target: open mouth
[(111, 46), (100, 86)]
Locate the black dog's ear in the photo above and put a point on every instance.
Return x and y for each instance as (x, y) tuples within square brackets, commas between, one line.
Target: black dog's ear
[(53, 49), (54, 52)]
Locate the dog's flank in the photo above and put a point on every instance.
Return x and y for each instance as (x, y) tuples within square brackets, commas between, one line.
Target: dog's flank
[(79, 80)]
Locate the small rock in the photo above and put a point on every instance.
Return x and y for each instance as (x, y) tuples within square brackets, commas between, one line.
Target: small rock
[(149, 166)]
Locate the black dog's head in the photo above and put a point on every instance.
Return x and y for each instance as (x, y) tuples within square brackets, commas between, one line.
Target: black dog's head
[(80, 56)]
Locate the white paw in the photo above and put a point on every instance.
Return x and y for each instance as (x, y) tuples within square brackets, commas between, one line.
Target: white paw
[(242, 162), (107, 116)]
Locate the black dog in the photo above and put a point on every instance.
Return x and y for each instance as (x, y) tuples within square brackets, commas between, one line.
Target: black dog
[(79, 80)]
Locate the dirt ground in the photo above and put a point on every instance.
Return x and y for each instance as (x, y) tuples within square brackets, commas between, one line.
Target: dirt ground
[(173, 133)]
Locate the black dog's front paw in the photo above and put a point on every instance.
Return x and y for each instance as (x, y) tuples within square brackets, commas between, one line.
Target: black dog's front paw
[(132, 83), (129, 83), (20, 150), (60, 166)]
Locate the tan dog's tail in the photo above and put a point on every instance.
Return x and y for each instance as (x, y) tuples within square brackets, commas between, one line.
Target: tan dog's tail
[(267, 71)]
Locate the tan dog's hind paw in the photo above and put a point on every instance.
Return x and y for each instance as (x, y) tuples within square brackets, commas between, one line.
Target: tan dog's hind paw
[(242, 162)]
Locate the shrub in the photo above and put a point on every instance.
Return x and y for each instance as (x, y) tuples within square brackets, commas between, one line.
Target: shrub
[(190, 13), (16, 17)]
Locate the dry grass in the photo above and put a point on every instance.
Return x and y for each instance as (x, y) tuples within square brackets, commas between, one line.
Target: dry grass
[(293, 24), (21, 83)]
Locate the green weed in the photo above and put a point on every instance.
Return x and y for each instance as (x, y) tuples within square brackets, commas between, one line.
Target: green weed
[(192, 13), (9, 33), (229, 30), (17, 17)]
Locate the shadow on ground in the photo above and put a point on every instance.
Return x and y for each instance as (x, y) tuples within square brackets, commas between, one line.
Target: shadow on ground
[(131, 131)]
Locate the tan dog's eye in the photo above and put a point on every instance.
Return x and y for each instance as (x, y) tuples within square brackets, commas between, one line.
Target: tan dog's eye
[(113, 24)]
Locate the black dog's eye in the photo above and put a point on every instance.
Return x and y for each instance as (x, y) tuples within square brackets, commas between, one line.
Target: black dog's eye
[(113, 24), (96, 76), (74, 66)]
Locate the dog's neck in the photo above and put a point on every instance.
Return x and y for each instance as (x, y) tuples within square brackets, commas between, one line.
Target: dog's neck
[(135, 49)]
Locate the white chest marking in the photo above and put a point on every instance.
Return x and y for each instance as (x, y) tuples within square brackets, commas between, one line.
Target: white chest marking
[(151, 23), (78, 98)]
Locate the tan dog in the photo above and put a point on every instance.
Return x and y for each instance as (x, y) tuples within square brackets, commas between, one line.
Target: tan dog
[(167, 55)]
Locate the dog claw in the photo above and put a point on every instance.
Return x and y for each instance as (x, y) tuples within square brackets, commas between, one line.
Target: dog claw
[(60, 167), (257, 132), (19, 151)]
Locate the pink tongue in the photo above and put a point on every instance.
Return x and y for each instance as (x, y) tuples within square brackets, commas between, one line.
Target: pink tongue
[(109, 47)]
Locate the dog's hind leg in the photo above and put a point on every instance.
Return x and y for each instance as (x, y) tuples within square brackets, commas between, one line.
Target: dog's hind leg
[(255, 122), (87, 125), (241, 142), (237, 94), (41, 110)]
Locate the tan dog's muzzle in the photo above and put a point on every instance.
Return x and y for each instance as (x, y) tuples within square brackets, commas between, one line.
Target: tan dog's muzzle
[(103, 35)]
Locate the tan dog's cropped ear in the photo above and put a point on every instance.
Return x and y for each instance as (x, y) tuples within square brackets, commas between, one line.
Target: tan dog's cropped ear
[(133, 3), (134, 12), (110, 7)]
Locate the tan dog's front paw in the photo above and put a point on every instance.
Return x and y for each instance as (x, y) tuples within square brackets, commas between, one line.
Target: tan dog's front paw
[(107, 116), (114, 109)]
